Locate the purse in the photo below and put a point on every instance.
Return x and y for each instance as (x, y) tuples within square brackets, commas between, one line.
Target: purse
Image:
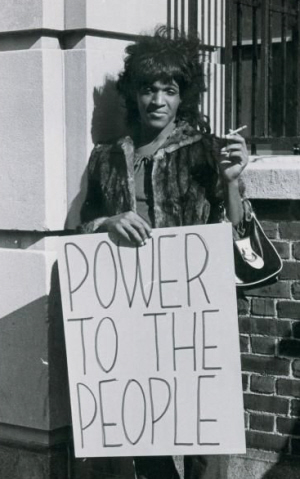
[(256, 259)]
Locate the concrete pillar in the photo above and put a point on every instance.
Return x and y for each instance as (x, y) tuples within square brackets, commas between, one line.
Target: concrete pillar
[(34, 418), (59, 60)]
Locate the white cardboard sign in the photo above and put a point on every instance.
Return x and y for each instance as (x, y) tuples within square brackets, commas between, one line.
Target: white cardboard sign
[(152, 343)]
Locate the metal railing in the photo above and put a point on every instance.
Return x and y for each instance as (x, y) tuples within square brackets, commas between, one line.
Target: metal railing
[(206, 18), (262, 79)]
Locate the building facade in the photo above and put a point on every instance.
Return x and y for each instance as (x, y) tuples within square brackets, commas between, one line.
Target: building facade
[(59, 61)]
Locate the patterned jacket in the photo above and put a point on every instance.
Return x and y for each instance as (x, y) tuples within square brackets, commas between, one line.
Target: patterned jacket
[(186, 186)]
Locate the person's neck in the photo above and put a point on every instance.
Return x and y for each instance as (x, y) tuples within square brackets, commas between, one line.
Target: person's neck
[(149, 140)]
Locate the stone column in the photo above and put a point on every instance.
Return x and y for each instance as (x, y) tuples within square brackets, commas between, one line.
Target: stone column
[(33, 416), (59, 60)]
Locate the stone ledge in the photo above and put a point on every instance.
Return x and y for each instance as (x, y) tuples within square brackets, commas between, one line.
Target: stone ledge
[(273, 177), (33, 438)]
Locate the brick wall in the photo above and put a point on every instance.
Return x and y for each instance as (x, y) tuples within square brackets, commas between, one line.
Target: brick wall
[(270, 346)]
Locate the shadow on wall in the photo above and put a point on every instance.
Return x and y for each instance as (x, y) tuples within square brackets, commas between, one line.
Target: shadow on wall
[(108, 124), (73, 216), (60, 410), (108, 121), (33, 368)]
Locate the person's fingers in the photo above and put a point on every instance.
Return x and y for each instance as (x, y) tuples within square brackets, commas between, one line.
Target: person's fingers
[(236, 137), (136, 234), (129, 227), (235, 147), (147, 228), (230, 162), (123, 236), (236, 142), (133, 227), (129, 234), (140, 222), (230, 156), (140, 229), (234, 152)]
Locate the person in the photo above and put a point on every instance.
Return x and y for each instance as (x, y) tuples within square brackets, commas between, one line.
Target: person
[(170, 171)]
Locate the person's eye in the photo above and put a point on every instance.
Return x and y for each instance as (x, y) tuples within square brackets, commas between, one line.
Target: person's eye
[(146, 90), (171, 92)]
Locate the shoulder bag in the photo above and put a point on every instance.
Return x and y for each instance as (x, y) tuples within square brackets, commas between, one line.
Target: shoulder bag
[(256, 259)]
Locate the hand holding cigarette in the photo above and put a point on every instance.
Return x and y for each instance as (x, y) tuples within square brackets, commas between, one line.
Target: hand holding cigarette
[(234, 156)]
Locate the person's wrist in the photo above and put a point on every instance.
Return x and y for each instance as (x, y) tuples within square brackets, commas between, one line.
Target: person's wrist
[(101, 225), (233, 183)]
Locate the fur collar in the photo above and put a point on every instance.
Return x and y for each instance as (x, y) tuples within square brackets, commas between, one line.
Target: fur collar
[(182, 135)]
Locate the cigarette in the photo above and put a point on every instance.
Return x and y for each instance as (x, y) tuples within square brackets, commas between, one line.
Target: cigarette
[(233, 132)]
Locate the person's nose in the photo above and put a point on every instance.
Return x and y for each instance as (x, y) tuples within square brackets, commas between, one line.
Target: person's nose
[(158, 98)]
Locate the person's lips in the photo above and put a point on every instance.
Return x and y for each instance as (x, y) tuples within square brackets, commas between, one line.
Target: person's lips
[(157, 114)]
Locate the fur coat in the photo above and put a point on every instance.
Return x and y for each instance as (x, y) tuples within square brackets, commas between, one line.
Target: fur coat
[(185, 182)]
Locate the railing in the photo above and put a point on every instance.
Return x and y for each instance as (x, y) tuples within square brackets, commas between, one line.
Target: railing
[(207, 19), (262, 58)]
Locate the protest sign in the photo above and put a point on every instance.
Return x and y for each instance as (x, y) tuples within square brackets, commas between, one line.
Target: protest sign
[(152, 343)]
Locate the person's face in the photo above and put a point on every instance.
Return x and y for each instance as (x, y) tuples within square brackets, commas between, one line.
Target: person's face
[(158, 104)]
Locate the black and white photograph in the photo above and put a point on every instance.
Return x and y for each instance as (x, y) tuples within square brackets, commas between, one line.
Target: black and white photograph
[(150, 239)]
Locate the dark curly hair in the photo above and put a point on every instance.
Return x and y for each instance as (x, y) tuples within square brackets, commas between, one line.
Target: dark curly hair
[(163, 58)]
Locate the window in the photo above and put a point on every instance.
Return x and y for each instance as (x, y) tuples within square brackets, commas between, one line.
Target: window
[(262, 60)]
